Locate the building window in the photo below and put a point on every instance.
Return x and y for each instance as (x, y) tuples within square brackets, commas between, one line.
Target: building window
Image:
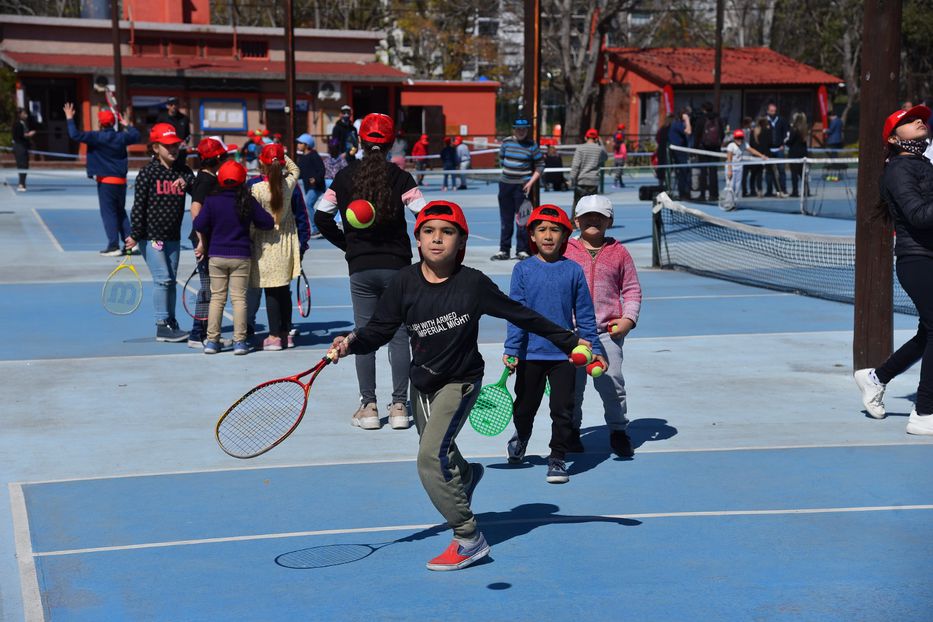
[(149, 47), (254, 49), (487, 27)]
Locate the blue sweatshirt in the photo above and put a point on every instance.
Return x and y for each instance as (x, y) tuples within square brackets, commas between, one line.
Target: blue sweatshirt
[(559, 292), (227, 235), (106, 149)]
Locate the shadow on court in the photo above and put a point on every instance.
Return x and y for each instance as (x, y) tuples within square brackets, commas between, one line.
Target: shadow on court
[(497, 527)]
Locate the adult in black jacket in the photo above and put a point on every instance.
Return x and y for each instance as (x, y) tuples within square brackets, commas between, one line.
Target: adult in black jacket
[(907, 190), (777, 177), (797, 148), (344, 137), (180, 121), (710, 138), (21, 145)]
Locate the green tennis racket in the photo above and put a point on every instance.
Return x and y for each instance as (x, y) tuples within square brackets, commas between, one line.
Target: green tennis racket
[(493, 408)]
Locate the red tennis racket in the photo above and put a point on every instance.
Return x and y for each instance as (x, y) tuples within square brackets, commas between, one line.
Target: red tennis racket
[(268, 413), (303, 294)]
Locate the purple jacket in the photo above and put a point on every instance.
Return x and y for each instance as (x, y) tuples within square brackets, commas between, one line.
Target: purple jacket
[(228, 236)]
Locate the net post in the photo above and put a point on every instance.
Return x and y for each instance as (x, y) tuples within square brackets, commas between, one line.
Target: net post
[(873, 331)]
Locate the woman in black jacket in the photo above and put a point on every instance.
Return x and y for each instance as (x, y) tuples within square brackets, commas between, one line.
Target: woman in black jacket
[(907, 190), (21, 145)]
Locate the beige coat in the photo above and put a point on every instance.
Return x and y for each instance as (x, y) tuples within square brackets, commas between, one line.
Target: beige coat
[(276, 252)]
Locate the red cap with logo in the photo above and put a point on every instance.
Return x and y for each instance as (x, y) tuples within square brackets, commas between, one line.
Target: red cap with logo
[(377, 128), (448, 212), (164, 133), (231, 174), (106, 118), (903, 116), (592, 133), (549, 213), (272, 153), (211, 148)]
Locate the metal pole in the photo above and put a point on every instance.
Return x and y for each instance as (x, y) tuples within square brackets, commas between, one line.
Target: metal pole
[(118, 84), (717, 71), (289, 77), (532, 86), (874, 331)]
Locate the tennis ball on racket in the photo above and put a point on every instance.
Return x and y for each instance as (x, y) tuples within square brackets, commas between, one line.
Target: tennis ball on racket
[(581, 355), (595, 369), (361, 214)]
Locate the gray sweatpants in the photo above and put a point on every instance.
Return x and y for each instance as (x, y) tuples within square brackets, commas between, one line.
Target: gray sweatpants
[(365, 288), (444, 473), (610, 386)]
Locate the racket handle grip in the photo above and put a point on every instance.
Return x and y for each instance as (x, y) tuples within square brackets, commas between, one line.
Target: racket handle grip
[(331, 355)]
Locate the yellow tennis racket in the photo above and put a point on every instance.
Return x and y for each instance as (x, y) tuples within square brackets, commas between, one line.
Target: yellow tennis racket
[(123, 289)]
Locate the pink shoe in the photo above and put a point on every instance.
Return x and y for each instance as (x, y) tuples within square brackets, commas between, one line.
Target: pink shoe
[(272, 343)]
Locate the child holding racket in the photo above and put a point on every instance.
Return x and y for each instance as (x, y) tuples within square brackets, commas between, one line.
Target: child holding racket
[(155, 223), (224, 220), (376, 246), (613, 281), (276, 255), (555, 287), (441, 301)]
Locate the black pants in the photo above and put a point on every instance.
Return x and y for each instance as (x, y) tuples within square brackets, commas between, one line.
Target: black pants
[(529, 389), (709, 177), (746, 185), (796, 176), (203, 305), (21, 155), (511, 197), (915, 273), (754, 182), (683, 175), (279, 310)]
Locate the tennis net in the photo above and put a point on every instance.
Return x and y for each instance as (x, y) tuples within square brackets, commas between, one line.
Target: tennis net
[(822, 266)]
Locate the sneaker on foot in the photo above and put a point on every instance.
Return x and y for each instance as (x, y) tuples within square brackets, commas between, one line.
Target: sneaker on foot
[(273, 344), (516, 449), (211, 347), (557, 471), (240, 348), (621, 444), (291, 340), (478, 471), (21, 188), (166, 332), (398, 416), (111, 251), (872, 392), (195, 344), (460, 554), (920, 424), (366, 417), (520, 255), (500, 256)]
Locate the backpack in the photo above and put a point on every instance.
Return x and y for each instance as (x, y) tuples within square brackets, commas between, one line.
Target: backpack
[(712, 135)]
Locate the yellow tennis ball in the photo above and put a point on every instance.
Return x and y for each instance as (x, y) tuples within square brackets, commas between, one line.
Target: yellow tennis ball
[(361, 214)]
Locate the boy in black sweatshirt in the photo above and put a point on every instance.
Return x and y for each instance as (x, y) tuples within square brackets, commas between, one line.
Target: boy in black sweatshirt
[(440, 301)]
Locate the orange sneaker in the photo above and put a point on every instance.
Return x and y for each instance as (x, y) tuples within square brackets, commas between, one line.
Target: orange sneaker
[(459, 555)]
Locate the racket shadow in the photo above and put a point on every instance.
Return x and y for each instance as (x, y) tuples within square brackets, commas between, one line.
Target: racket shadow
[(330, 555)]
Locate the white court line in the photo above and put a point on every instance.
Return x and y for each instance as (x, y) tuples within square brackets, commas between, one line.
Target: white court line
[(548, 520), (28, 578), (301, 465), (48, 231), (708, 296)]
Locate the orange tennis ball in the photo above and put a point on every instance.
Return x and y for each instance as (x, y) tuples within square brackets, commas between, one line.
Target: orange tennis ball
[(581, 355), (361, 214), (595, 369)]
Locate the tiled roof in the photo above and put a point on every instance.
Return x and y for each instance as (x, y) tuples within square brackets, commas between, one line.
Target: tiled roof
[(694, 67), (202, 67)]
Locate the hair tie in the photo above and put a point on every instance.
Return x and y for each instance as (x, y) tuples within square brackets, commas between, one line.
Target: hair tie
[(375, 148)]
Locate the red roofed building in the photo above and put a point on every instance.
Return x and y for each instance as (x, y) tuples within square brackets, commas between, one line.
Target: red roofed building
[(634, 81)]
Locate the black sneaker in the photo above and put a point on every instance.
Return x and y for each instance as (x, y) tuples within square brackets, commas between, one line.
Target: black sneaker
[(167, 332), (621, 444), (500, 256), (516, 449), (478, 471), (111, 251), (557, 471)]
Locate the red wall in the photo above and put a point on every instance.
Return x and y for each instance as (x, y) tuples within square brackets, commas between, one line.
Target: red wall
[(465, 103), (168, 11)]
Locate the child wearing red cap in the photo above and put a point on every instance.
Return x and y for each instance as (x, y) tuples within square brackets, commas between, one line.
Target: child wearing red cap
[(420, 151), (441, 302), (224, 221), (620, 154), (276, 254), (556, 288), (158, 209)]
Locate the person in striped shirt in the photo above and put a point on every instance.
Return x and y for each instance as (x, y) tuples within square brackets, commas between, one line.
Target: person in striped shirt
[(522, 165)]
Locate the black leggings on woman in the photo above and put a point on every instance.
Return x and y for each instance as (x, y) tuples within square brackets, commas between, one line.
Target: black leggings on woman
[(529, 388), (915, 273), (279, 310)]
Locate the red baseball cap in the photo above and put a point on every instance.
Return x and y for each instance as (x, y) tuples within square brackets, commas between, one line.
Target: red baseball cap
[(231, 174), (377, 128), (549, 213), (738, 134), (903, 116), (273, 152), (164, 133), (592, 133), (448, 212), (424, 138), (105, 117), (621, 126), (211, 148)]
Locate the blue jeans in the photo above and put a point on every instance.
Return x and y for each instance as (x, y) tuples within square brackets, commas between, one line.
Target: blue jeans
[(163, 265), (112, 201), (311, 197), (511, 197)]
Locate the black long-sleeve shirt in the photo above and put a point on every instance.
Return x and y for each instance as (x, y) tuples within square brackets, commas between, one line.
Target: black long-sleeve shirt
[(443, 324), (158, 207)]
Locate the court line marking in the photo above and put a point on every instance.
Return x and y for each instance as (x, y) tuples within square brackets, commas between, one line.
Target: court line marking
[(330, 532), (48, 231), (28, 577), (301, 465)]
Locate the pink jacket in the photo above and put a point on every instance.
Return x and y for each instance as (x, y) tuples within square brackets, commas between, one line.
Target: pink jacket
[(612, 279)]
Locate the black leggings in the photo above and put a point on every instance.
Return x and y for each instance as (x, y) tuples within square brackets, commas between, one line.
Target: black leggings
[(529, 389), (915, 273), (279, 310)]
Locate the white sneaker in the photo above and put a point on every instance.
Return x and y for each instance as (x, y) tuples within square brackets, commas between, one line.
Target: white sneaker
[(398, 416), (872, 393), (366, 417), (919, 424)]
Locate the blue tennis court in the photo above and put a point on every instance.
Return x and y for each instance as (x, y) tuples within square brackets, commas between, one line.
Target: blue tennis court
[(759, 490)]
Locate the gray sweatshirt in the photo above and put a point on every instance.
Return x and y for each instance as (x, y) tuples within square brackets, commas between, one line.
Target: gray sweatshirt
[(587, 160)]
